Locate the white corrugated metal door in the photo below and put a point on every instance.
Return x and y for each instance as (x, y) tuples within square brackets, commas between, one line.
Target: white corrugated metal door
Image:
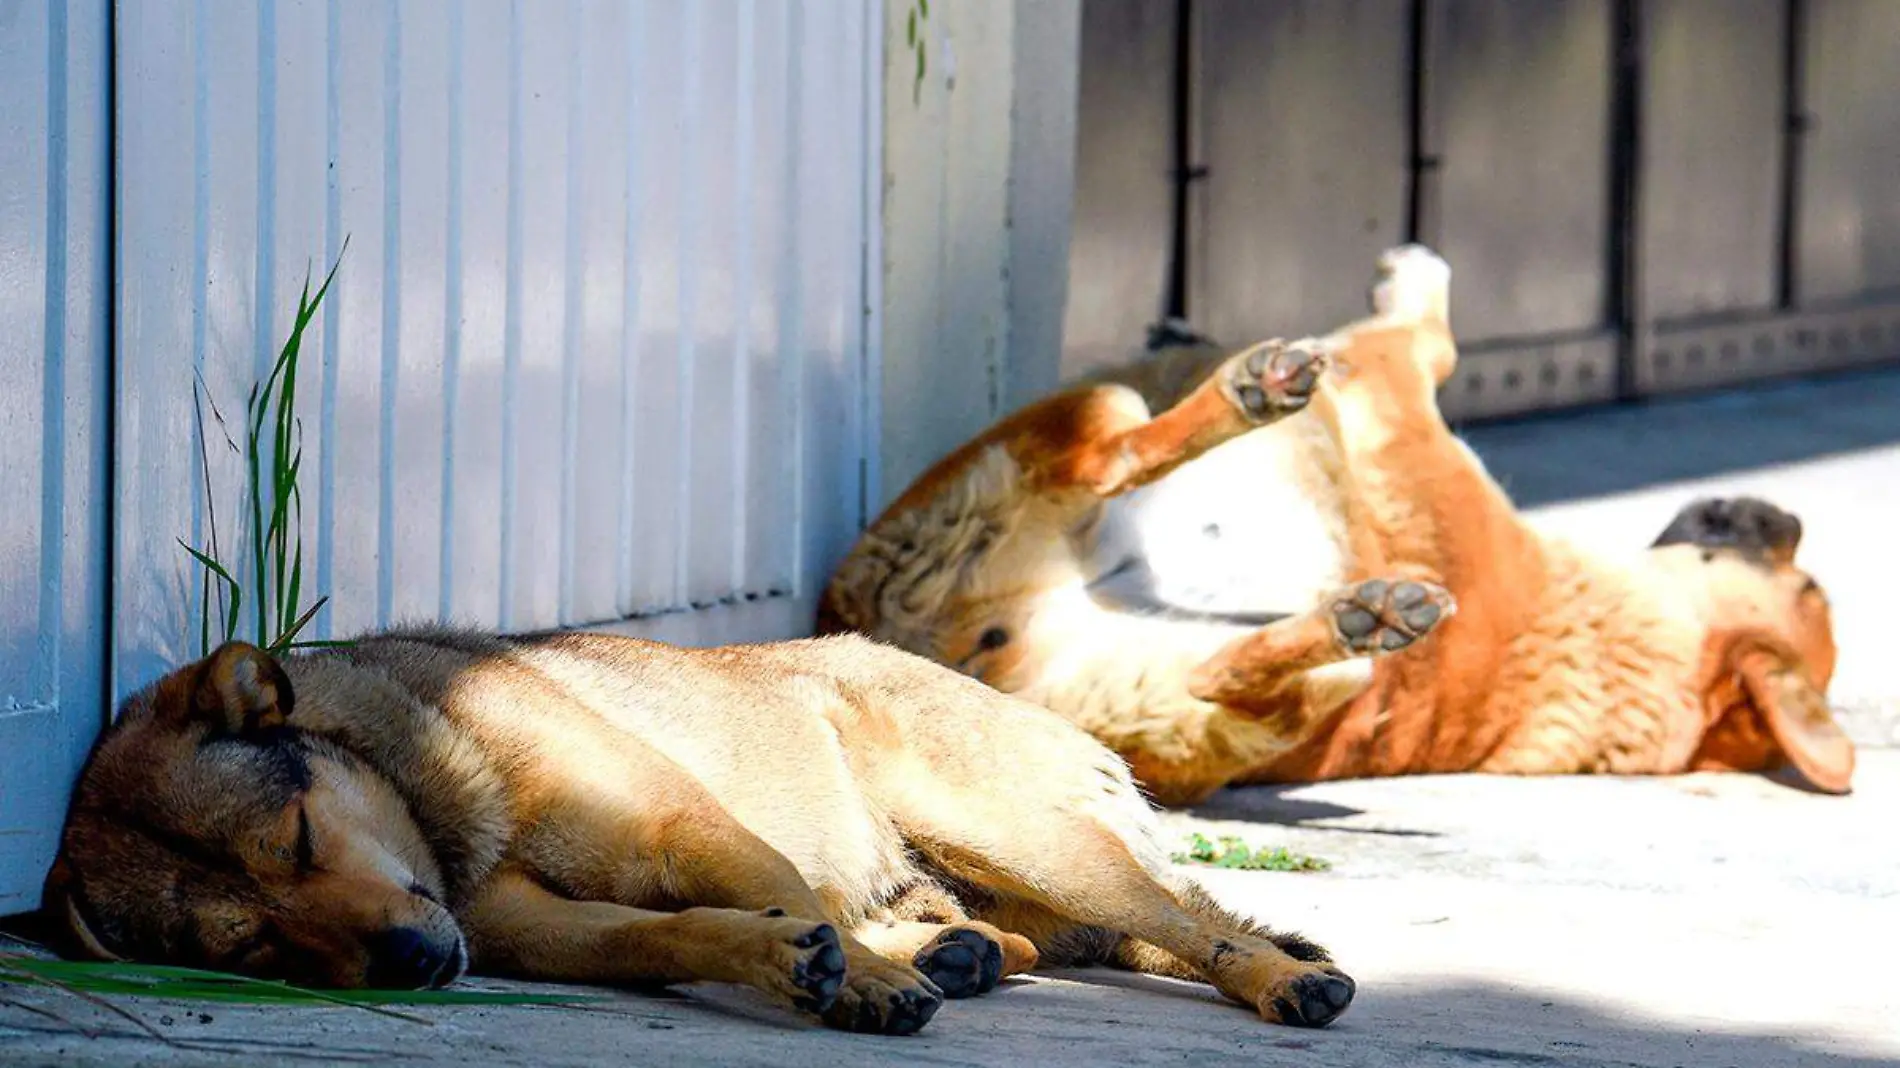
[(597, 346)]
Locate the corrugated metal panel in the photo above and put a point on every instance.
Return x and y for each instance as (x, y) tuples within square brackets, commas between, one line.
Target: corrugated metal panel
[(54, 288), (1517, 112), (1124, 196), (596, 347), (1303, 116), (1710, 177), (1848, 218)]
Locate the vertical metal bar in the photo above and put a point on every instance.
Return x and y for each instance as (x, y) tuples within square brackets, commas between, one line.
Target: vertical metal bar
[(790, 341), (200, 236), (266, 268), (630, 315), (741, 417), (871, 344), (392, 316), (511, 325), (1625, 312), (332, 248), (53, 396), (571, 313), (690, 231), (1419, 164), (109, 321), (452, 306), (1793, 143), (1184, 171)]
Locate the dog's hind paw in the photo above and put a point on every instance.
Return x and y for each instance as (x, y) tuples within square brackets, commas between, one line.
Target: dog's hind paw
[(883, 998), (1276, 378), (1411, 282), (1311, 1000), (1382, 616)]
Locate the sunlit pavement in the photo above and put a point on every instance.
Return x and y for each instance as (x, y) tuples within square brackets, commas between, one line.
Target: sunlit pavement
[(1705, 920)]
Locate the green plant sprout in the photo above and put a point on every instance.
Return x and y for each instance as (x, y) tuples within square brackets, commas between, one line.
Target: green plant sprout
[(273, 460)]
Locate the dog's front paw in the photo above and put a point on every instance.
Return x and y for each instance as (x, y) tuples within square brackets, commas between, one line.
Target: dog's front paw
[(880, 997), (1311, 999), (1275, 378), (1382, 616), (819, 974)]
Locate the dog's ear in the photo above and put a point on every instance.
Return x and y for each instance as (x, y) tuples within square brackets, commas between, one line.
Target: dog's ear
[(242, 688), (1797, 714), (62, 916)]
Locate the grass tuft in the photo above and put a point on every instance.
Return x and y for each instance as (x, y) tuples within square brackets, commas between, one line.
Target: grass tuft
[(272, 453), (1228, 851)]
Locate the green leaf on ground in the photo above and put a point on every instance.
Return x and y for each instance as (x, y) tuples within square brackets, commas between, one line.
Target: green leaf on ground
[(1229, 851)]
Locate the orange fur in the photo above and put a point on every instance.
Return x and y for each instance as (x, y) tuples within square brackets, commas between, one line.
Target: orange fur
[(1712, 651)]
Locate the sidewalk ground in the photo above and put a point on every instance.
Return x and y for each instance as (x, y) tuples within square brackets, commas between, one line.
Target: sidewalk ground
[(1704, 920)]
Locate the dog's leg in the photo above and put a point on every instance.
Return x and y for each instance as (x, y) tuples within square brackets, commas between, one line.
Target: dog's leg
[(1139, 956), (1253, 388), (1065, 866), (1372, 618), (964, 959), (683, 846), (1101, 885), (518, 928), (1418, 501)]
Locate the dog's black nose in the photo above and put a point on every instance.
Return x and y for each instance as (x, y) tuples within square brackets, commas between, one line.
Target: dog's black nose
[(404, 958)]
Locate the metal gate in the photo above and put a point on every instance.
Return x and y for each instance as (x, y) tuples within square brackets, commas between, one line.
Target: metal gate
[(1638, 196), (595, 356), (55, 286)]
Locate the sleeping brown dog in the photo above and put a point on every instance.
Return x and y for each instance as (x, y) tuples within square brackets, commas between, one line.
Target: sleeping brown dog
[(1426, 626), (855, 832)]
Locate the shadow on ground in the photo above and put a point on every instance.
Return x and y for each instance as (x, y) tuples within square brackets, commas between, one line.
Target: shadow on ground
[(1545, 459), (1105, 1018)]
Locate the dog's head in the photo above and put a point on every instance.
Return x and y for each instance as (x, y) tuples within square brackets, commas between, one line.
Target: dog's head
[(1770, 653), (208, 830)]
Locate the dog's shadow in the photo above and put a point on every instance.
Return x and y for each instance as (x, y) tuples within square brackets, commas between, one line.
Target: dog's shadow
[(1281, 805)]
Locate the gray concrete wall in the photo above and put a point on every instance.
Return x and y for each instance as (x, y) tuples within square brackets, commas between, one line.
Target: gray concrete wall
[(978, 176)]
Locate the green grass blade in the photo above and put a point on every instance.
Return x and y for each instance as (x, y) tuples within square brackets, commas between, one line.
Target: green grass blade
[(194, 984), (288, 639)]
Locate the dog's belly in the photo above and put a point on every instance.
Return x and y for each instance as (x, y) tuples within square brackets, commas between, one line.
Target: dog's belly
[(1254, 526)]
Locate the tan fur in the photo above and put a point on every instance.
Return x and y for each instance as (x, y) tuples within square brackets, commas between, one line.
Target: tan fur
[(1557, 660), (844, 826)]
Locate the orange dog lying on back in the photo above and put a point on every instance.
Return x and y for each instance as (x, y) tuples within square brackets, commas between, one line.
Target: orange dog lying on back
[(1430, 628)]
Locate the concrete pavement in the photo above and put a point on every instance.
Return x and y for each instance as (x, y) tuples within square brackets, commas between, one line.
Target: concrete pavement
[(1703, 920)]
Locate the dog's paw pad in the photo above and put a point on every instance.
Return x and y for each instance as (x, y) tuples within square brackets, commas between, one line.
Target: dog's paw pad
[(1314, 1000), (1276, 378), (877, 1007), (962, 962), (1380, 616), (820, 971)]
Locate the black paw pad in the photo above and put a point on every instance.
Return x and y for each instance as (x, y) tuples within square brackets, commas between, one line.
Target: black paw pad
[(1378, 616), (963, 963), (1276, 379), (1315, 1000), (820, 976)]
